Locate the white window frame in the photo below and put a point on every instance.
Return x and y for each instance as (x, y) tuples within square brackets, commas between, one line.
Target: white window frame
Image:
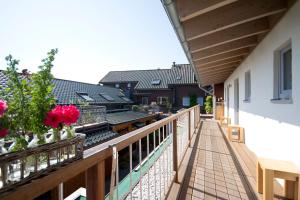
[(117, 85), (160, 100), (145, 102), (284, 94), (247, 85)]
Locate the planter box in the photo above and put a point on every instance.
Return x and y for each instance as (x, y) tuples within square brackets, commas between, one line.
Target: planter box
[(18, 168)]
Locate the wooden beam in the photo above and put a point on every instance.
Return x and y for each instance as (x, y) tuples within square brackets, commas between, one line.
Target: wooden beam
[(230, 54), (190, 9), (231, 15), (213, 81), (232, 34), (227, 47), (226, 65), (95, 182), (217, 73), (227, 68), (220, 63), (211, 61)]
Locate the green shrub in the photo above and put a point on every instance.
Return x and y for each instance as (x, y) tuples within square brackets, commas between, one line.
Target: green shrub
[(208, 104)]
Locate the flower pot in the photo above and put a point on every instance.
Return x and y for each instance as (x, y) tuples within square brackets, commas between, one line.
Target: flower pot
[(17, 168)]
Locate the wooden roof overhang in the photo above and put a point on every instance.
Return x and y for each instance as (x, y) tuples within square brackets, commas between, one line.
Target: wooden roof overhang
[(217, 35)]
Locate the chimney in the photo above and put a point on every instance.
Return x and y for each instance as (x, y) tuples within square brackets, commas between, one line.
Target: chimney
[(174, 64)]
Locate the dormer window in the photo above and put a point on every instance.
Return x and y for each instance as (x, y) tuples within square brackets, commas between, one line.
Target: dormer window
[(106, 96), (85, 96), (155, 82), (178, 78), (117, 85), (129, 85)]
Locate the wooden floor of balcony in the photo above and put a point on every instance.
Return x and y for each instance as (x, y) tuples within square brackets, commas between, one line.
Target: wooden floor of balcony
[(215, 171)]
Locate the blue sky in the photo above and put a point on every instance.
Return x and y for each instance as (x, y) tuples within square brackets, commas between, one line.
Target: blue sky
[(93, 36)]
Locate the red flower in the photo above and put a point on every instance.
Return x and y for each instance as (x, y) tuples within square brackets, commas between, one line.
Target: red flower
[(62, 115), (3, 107), (70, 114), (55, 117), (3, 132)]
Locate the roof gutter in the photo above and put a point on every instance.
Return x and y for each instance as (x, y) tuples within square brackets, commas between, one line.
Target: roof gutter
[(171, 11)]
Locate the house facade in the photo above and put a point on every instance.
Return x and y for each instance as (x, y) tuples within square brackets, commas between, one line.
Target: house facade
[(268, 104), (251, 48), (177, 86)]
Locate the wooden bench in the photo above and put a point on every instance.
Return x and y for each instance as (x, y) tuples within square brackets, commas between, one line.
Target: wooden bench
[(247, 161), (239, 133), (268, 169)]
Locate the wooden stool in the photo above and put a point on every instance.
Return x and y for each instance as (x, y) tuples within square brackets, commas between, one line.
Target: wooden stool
[(240, 133), (268, 169), (225, 121)]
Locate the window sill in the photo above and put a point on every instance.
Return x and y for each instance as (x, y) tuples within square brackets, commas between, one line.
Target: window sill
[(247, 101), (282, 101)]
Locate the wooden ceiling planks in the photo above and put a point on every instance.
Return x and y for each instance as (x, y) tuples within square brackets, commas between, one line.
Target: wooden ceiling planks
[(221, 33)]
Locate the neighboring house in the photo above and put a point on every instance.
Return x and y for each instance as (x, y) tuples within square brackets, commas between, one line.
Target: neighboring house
[(176, 85), (73, 92)]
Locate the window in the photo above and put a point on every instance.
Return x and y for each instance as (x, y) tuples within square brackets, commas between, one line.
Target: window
[(129, 85), (200, 101), (185, 101), (106, 96), (247, 86), (283, 72), (162, 100), (178, 78), (85, 96), (117, 85), (144, 100), (155, 82)]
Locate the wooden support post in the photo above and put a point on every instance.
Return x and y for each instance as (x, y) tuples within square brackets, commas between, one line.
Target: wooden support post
[(289, 189), (268, 178), (259, 178), (297, 189), (175, 152), (95, 182), (189, 127), (113, 173)]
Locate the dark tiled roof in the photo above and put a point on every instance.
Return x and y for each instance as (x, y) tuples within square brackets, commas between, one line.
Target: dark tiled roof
[(98, 137), (66, 91), (127, 116), (178, 74)]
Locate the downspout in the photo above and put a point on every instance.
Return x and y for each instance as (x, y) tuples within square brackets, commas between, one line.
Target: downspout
[(171, 11)]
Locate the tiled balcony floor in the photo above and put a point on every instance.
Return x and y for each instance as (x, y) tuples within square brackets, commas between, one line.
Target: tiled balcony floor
[(212, 172)]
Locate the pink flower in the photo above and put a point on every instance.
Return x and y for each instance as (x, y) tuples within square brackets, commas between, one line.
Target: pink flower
[(70, 114), (3, 132), (62, 115), (54, 117), (3, 107)]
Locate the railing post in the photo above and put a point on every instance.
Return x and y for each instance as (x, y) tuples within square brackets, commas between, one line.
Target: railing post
[(189, 127), (95, 182), (175, 152)]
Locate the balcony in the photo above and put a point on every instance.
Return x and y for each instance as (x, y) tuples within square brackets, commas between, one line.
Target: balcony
[(156, 155)]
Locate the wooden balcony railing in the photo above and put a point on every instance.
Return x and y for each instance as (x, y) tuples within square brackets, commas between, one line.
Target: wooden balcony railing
[(158, 150)]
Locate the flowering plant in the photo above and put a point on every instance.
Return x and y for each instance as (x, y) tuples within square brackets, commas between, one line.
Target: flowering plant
[(3, 107), (61, 116)]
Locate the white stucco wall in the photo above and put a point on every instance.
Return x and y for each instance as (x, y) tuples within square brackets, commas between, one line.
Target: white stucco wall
[(271, 130)]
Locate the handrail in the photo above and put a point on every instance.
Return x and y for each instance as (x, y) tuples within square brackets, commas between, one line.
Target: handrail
[(91, 157)]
